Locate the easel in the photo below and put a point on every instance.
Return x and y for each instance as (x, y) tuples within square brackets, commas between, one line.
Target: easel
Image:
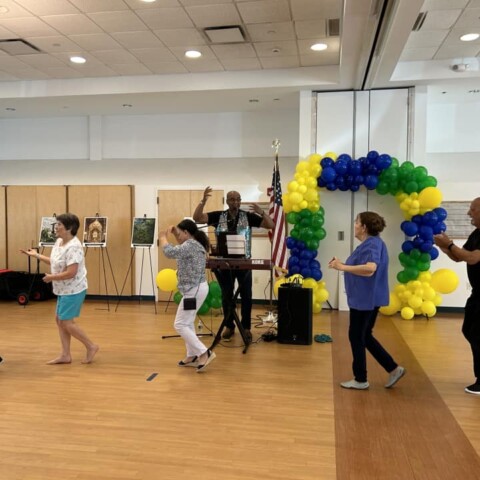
[(143, 247)]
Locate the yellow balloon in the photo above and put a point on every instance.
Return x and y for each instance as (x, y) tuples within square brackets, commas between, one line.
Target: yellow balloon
[(310, 283), (277, 284), (437, 300), (415, 301), (331, 155), (317, 307), (301, 166), (428, 308), (393, 307), (321, 295), (167, 280), (430, 198), (407, 313), (444, 280)]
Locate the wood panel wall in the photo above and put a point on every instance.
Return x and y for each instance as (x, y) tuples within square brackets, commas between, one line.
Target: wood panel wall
[(116, 203), (173, 206), (3, 229)]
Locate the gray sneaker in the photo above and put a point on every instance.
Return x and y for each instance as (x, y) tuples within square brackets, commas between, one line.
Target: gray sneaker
[(228, 334), (355, 385), (395, 376)]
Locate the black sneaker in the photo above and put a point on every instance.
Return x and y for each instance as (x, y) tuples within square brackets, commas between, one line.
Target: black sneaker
[(228, 334), (473, 389)]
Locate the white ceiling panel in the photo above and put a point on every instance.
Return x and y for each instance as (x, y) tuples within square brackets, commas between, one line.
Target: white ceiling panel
[(280, 62), (236, 64), (109, 57), (333, 46), (138, 39), (426, 38), (13, 10), (179, 52), (72, 24), (159, 54), (269, 32), (201, 65), (237, 50), (166, 68), (118, 21), (214, 15), (28, 27), (90, 6), (441, 19), (311, 60), (5, 33), (61, 72), (42, 59), (139, 5), (276, 49), (180, 37), (130, 69), (469, 18), (48, 7), (456, 53), (265, 11), (311, 28), (415, 54), (313, 9), (95, 41), (56, 43), (443, 4), (165, 18)]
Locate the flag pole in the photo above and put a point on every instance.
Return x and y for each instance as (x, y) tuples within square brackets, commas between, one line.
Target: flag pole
[(275, 146)]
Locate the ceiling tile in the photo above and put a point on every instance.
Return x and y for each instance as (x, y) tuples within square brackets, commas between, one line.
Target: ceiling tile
[(443, 4), (214, 15), (200, 65), (109, 57), (125, 21), (270, 32), (137, 5), (27, 72), (416, 54), (160, 54), (315, 9), (440, 19), (131, 69), (5, 33), (14, 10), (72, 24), (166, 67), (453, 38), (28, 27), (137, 39), (160, 18), (280, 62), (456, 53), (180, 37), (7, 62), (263, 11), (233, 64), (237, 50), (311, 28), (285, 48), (48, 7), (95, 41), (469, 18), (427, 38), (6, 77), (191, 3), (95, 70), (61, 72), (312, 60), (90, 6), (56, 43)]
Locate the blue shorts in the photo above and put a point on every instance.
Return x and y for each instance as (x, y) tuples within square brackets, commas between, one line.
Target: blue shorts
[(69, 306)]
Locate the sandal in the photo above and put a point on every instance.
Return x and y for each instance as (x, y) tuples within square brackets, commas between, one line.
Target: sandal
[(192, 363)]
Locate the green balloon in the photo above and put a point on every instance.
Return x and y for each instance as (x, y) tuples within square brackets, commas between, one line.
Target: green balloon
[(312, 244), (410, 187), (292, 217), (204, 308), (216, 302), (402, 277), (415, 253), (177, 298), (423, 266), (306, 213), (383, 187), (214, 289)]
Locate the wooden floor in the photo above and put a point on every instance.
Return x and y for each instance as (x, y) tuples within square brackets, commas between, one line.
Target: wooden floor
[(274, 413)]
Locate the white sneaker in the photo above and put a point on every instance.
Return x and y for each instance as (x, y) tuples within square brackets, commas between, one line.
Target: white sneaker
[(395, 376), (355, 385)]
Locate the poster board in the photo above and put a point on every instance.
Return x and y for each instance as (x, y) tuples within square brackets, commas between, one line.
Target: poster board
[(143, 232), (95, 231), (47, 232), (459, 224)]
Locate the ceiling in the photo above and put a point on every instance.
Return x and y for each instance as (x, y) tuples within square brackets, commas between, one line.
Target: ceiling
[(135, 61)]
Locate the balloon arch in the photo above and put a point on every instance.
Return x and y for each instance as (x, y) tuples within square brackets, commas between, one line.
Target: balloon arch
[(418, 291)]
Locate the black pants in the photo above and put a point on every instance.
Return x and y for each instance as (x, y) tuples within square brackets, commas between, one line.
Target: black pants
[(471, 330), (226, 279), (362, 339)]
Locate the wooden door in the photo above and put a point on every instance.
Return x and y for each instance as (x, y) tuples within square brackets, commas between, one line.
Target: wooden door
[(107, 267), (173, 207), (26, 205)]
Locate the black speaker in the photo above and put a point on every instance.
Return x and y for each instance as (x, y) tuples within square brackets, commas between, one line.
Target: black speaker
[(294, 315)]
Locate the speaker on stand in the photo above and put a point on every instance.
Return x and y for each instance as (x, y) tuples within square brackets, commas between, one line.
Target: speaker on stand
[(294, 315)]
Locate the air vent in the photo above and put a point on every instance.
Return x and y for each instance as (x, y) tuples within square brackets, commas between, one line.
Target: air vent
[(18, 46), (419, 21), (333, 27), (228, 34)]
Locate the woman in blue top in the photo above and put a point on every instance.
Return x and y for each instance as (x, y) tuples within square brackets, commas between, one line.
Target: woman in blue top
[(191, 259), (366, 285)]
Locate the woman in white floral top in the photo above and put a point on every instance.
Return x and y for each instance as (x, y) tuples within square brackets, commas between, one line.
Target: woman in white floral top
[(69, 279)]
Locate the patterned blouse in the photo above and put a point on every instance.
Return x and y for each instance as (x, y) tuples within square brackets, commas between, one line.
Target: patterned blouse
[(191, 260)]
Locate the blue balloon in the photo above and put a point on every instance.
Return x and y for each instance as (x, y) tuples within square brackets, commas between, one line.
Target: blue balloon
[(315, 265), (373, 154), (304, 262), (291, 242), (341, 166), (425, 232), (327, 162), (292, 261), (306, 272), (316, 274), (439, 228), (430, 218), (354, 188), (410, 228), (434, 253), (426, 246), (331, 186), (305, 254), (328, 174), (344, 157), (417, 219), (407, 246), (301, 245), (441, 213), (371, 182), (355, 167), (320, 182)]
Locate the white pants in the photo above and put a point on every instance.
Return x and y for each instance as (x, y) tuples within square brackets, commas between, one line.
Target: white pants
[(185, 321)]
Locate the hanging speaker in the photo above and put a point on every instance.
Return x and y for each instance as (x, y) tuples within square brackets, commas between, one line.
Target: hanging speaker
[(294, 315)]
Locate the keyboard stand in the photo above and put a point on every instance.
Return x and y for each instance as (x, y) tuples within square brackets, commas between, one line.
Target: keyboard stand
[(232, 310)]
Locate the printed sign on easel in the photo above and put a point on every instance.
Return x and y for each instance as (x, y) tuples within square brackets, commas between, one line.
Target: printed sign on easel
[(47, 232), (95, 232), (143, 232)]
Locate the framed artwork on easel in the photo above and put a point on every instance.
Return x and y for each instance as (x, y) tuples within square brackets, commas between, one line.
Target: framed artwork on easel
[(95, 232), (47, 232), (143, 232)]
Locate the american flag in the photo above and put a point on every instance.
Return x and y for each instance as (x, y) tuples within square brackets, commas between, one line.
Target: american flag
[(277, 236)]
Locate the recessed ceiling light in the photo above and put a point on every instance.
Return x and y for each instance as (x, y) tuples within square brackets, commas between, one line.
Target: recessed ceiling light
[(275, 50), (469, 37), (77, 60), (193, 54), (148, 1), (317, 47)]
